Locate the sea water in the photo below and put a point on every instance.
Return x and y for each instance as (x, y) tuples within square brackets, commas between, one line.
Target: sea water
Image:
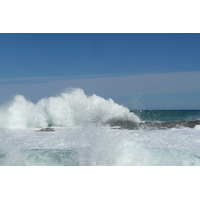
[(168, 115), (83, 138)]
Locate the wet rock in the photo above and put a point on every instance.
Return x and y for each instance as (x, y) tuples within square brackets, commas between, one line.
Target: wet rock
[(47, 129), (153, 126)]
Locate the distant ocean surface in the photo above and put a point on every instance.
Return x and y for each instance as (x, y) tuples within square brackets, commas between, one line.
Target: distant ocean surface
[(167, 115), (83, 135)]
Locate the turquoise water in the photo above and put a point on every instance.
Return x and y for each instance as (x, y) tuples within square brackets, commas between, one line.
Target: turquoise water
[(167, 115), (133, 155)]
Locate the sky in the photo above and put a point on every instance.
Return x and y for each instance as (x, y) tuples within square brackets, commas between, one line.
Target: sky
[(138, 70)]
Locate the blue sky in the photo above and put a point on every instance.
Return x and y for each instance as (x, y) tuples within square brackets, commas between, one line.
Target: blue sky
[(141, 71)]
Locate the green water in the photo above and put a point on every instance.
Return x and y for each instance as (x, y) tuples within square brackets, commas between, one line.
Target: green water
[(168, 115)]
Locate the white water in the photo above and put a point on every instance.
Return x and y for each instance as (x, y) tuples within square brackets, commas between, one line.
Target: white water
[(97, 145), (69, 109), (79, 141)]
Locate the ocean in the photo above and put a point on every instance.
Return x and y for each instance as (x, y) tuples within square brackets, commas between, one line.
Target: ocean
[(93, 131)]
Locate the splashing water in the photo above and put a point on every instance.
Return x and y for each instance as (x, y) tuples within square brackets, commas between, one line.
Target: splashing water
[(69, 109), (82, 138)]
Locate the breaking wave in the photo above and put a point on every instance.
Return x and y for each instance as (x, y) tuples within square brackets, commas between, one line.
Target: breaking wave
[(68, 109)]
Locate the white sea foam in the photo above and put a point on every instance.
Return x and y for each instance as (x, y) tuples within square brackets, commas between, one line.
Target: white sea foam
[(68, 109), (99, 145), (79, 141), (197, 127)]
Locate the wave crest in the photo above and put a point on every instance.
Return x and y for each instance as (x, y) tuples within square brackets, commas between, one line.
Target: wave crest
[(68, 109)]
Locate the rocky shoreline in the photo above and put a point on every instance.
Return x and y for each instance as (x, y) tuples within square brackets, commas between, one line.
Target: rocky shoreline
[(130, 125), (46, 129)]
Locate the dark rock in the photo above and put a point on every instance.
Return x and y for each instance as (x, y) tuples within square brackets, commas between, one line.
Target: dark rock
[(47, 129), (153, 126)]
